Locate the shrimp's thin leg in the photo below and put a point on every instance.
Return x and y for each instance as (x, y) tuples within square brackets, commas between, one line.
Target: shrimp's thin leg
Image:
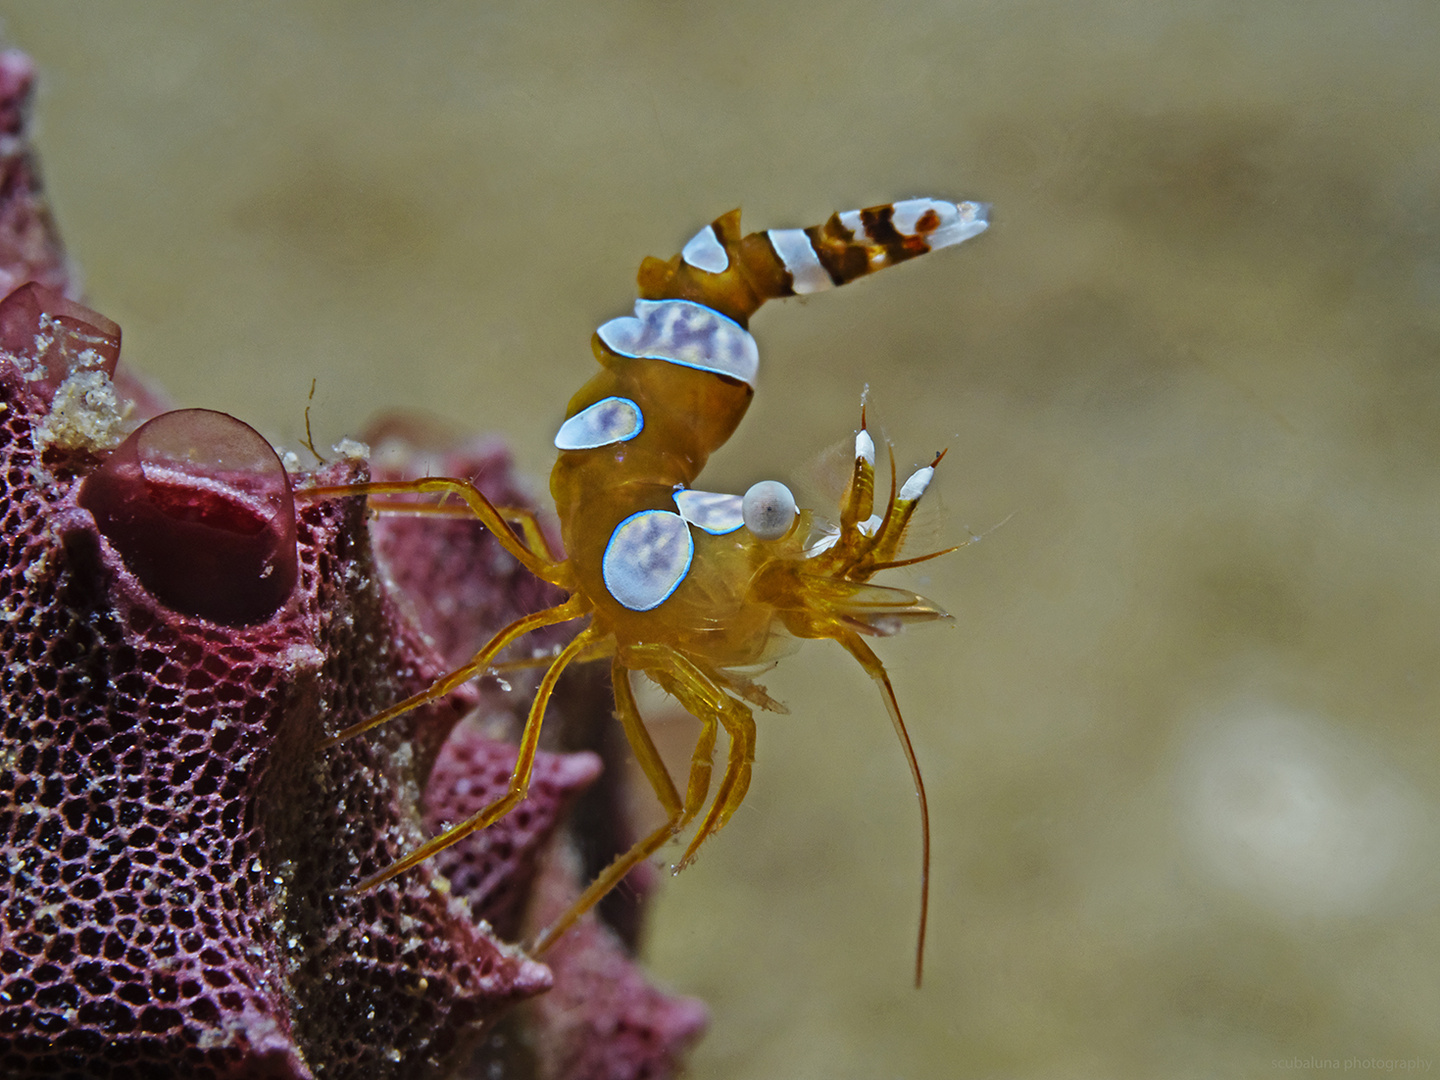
[(857, 648), (519, 775), (702, 762), (530, 529), (479, 505), (734, 782), (678, 815), (628, 713), (704, 699), (525, 518), (571, 609)]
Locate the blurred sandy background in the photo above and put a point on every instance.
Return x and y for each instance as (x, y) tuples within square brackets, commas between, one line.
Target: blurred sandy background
[(1182, 739)]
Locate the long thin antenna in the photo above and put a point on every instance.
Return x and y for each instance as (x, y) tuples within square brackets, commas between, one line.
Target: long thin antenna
[(876, 670)]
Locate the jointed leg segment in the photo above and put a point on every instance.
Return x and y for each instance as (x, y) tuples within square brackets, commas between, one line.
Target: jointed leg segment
[(703, 697), (522, 517), (478, 665), (701, 694), (532, 552), (713, 708), (519, 776)]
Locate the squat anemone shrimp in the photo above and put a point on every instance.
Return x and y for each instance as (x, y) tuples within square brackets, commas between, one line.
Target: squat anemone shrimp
[(693, 587)]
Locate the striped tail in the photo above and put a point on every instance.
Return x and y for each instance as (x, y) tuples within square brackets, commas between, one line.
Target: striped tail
[(735, 274)]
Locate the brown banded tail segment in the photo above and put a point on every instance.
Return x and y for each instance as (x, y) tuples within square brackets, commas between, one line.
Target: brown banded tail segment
[(735, 274), (859, 242), (867, 244)]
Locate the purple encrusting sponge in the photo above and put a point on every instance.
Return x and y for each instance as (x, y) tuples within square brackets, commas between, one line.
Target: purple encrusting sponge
[(179, 632)]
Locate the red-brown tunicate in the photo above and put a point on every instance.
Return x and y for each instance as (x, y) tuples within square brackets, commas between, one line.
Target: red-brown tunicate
[(54, 337), (200, 510)]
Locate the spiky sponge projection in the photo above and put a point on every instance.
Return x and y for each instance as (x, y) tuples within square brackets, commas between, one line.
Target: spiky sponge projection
[(175, 850)]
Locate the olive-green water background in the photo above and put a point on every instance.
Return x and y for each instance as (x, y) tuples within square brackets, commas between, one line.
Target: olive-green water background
[(1181, 738)]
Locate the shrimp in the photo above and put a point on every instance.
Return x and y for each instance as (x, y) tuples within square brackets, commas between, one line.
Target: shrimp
[(690, 587)]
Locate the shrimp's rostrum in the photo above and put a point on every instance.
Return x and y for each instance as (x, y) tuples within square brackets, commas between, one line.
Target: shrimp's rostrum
[(691, 587)]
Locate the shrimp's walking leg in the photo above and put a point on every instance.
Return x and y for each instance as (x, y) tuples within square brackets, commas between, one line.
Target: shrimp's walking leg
[(857, 648), (740, 726), (478, 504), (572, 608), (677, 814), (530, 529), (523, 517), (710, 705), (703, 698), (519, 776), (628, 713)]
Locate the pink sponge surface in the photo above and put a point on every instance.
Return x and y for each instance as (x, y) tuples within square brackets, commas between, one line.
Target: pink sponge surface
[(177, 849)]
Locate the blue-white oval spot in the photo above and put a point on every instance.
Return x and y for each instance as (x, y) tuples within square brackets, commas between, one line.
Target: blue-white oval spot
[(705, 252), (685, 333), (712, 511), (647, 557), (609, 420)]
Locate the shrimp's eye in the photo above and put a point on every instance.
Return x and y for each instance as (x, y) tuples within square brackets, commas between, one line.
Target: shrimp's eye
[(768, 509)]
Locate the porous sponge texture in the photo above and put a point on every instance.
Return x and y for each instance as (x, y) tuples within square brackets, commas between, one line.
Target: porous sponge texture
[(177, 852), (178, 848)]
